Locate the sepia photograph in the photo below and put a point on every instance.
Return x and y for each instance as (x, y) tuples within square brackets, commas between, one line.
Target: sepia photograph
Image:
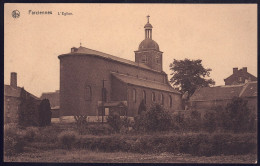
[(130, 83)]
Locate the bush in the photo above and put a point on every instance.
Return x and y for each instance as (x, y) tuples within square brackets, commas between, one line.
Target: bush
[(99, 129), (67, 139), (237, 116), (193, 121), (47, 134), (194, 143), (115, 121), (156, 119), (44, 113), (31, 133), (14, 141), (209, 122)]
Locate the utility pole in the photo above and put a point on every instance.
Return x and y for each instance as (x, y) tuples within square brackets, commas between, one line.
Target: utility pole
[(103, 99)]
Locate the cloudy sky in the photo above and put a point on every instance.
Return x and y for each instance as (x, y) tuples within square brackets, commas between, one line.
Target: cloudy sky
[(223, 36)]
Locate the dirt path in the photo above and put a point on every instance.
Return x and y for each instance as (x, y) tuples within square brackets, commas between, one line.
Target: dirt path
[(85, 156)]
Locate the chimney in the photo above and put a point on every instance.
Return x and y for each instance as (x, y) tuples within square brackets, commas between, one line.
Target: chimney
[(235, 70), (13, 81), (244, 69)]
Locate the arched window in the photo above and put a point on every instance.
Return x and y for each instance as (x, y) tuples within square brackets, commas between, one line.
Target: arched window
[(170, 101), (157, 59), (162, 99), (88, 93), (153, 96), (134, 95), (144, 59), (144, 97)]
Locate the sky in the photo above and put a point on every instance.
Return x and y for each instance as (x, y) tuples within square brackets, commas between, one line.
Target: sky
[(223, 36)]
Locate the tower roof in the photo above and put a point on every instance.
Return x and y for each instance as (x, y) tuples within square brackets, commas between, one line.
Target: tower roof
[(148, 26), (148, 44)]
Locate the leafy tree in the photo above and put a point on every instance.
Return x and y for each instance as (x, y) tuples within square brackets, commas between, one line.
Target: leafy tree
[(155, 119), (238, 115), (189, 75), (193, 121), (209, 121), (45, 113), (115, 121), (27, 114)]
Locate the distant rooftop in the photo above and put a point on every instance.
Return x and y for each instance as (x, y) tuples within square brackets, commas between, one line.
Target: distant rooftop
[(144, 83), (248, 89), (15, 92)]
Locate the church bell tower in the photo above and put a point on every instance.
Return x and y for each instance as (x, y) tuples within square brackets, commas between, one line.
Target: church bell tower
[(148, 52)]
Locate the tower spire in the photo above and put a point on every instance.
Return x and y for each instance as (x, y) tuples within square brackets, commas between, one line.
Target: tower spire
[(148, 18), (148, 29)]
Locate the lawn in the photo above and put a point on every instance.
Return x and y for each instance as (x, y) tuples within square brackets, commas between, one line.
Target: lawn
[(85, 156)]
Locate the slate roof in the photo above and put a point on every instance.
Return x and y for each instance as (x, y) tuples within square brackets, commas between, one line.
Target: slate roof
[(144, 83), (225, 92), (83, 50)]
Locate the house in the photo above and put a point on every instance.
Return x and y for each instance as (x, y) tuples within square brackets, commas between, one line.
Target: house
[(54, 99), (89, 77), (208, 98), (12, 99), (239, 77)]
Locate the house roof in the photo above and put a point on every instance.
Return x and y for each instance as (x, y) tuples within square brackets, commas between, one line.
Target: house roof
[(15, 92), (225, 92), (86, 51), (241, 73), (144, 83), (250, 90), (11, 91), (53, 97)]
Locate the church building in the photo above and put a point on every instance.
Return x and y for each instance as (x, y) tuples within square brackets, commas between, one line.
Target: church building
[(94, 83)]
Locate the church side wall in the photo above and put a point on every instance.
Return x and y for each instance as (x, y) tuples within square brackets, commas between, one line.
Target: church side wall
[(118, 90), (79, 71), (134, 105)]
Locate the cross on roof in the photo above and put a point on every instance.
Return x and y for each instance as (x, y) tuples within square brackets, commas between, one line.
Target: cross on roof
[(148, 18)]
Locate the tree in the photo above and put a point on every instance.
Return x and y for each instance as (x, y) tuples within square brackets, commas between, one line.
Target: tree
[(209, 121), (155, 119), (45, 113), (189, 75), (238, 115), (27, 114), (115, 121)]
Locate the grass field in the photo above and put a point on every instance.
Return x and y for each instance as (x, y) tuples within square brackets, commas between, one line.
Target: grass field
[(85, 156)]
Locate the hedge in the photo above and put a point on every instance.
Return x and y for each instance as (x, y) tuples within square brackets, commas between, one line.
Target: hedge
[(194, 144)]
